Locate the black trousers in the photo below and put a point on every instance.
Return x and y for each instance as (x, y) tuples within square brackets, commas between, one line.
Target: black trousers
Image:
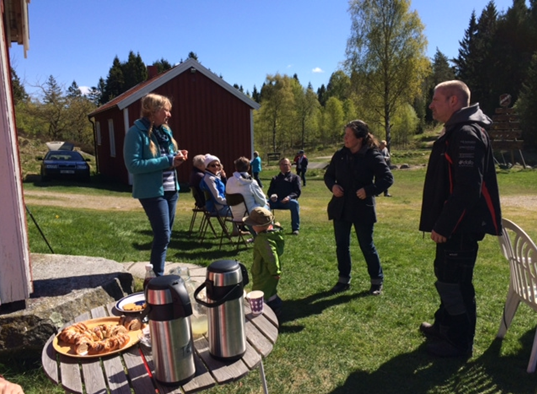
[(454, 269)]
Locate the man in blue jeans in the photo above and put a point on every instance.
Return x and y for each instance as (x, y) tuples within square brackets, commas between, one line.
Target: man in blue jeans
[(284, 192)]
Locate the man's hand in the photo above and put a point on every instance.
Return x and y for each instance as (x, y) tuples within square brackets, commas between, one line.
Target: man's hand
[(361, 194), (337, 191), (285, 200), (439, 239)]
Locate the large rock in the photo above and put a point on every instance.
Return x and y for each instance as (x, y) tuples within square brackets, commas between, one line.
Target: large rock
[(64, 287)]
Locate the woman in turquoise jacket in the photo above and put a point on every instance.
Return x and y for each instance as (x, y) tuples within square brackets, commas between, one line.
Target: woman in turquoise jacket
[(151, 156)]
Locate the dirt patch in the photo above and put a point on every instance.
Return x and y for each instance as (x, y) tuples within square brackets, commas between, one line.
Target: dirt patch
[(528, 202), (71, 200), (109, 203)]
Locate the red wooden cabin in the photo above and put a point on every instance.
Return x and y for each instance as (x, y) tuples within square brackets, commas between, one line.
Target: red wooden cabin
[(208, 116)]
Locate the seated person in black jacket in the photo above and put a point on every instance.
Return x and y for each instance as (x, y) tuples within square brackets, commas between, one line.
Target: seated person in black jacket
[(284, 191), (196, 175)]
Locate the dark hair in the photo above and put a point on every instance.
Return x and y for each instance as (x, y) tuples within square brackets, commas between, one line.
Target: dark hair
[(361, 130), (242, 164)]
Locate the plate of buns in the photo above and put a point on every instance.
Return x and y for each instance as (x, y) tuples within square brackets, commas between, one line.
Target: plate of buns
[(98, 337)]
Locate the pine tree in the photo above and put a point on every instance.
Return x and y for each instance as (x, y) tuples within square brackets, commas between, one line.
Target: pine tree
[(73, 90), (115, 81), (19, 93), (321, 95), (526, 105), (162, 65), (516, 40), (134, 71)]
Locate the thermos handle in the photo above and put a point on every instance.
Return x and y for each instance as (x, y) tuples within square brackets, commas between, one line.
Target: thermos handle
[(237, 287), (200, 288)]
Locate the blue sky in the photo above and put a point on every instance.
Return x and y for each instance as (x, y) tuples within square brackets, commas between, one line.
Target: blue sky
[(241, 40)]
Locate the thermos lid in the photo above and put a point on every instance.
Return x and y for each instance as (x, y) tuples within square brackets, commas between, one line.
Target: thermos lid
[(223, 266), (168, 298)]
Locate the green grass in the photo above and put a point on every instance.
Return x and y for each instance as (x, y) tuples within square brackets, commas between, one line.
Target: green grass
[(348, 343)]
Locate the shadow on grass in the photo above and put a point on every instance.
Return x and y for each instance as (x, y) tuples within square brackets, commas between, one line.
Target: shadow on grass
[(417, 372), (314, 304), (192, 248)]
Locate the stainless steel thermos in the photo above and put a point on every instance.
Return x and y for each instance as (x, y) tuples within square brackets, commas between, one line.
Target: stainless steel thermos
[(169, 314), (224, 285)]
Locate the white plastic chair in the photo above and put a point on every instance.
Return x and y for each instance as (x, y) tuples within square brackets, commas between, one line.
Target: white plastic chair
[(521, 252)]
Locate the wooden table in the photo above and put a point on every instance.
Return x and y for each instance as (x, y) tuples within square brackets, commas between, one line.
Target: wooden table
[(121, 372)]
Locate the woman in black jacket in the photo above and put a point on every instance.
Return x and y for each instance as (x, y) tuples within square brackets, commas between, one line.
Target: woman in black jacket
[(356, 174)]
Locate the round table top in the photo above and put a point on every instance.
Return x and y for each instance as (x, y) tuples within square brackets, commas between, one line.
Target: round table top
[(96, 374)]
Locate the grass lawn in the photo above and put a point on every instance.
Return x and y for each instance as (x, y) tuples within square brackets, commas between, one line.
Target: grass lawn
[(347, 343)]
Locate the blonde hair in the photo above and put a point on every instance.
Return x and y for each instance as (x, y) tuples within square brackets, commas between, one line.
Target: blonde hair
[(151, 104)]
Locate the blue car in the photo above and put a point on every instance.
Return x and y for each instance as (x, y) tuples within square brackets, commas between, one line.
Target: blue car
[(65, 164)]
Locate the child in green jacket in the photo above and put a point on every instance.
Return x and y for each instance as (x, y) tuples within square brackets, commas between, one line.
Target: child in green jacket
[(268, 247)]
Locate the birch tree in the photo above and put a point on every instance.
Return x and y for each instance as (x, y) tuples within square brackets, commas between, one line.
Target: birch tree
[(386, 49)]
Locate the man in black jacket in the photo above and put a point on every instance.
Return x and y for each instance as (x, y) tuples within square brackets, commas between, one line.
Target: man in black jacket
[(460, 205), (284, 191)]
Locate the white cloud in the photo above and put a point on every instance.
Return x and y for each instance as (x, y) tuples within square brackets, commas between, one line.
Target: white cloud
[(289, 66), (84, 90), (317, 70)]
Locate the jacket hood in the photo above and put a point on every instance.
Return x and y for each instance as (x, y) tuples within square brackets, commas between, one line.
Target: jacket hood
[(241, 179), (276, 235), (471, 114)]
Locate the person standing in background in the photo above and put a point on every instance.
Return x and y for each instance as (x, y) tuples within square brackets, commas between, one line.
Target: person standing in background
[(461, 204), (151, 155), (386, 153), (355, 175), (301, 162), (256, 168)]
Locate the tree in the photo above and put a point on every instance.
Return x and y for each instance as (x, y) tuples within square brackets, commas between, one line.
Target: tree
[(338, 86), (306, 104), (527, 103), (321, 95), (441, 71), (53, 109), (387, 50), (276, 113), (162, 65), (73, 91), (515, 38), (115, 82), (255, 95), (334, 120), (134, 71), (96, 92), (19, 93)]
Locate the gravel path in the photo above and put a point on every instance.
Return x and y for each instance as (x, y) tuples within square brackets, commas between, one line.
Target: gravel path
[(109, 203)]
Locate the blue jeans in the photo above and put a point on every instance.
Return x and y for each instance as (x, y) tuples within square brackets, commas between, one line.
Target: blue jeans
[(364, 232), (161, 213), (295, 211)]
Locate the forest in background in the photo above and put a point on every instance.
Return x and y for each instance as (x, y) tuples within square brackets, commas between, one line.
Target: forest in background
[(386, 80)]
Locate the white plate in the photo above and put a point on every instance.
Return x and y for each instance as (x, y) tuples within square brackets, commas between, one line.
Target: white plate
[(136, 298)]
